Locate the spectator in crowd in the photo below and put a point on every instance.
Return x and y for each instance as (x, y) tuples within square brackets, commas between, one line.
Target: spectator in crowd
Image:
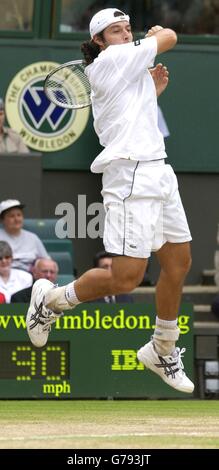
[(103, 260), (10, 140), (202, 17), (26, 246), (43, 268), (11, 280)]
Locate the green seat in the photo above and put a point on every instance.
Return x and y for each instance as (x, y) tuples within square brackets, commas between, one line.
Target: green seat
[(64, 279), (59, 245), (44, 228), (64, 261)]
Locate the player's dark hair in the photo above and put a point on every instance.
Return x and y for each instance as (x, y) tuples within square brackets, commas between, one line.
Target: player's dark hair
[(90, 49), (118, 13)]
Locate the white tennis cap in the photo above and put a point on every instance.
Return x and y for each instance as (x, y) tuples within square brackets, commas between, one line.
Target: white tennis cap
[(106, 17), (9, 204)]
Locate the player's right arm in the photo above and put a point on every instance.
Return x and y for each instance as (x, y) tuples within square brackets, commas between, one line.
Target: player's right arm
[(166, 38), (132, 59)]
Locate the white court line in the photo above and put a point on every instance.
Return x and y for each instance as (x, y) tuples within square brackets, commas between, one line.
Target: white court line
[(70, 436), (99, 436)]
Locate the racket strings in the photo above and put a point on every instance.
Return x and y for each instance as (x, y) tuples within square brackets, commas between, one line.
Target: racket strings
[(69, 87)]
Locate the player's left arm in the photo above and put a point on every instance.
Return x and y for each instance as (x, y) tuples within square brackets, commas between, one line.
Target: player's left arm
[(160, 76), (159, 73)]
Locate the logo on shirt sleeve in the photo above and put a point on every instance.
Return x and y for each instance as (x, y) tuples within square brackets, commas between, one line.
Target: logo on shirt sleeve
[(137, 43)]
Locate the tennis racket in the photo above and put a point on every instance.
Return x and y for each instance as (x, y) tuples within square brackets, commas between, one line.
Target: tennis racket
[(67, 85)]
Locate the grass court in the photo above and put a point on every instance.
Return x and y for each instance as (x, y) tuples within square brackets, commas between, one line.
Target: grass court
[(112, 424)]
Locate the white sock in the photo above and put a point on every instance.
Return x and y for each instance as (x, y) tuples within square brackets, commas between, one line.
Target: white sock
[(165, 335), (169, 324), (71, 294)]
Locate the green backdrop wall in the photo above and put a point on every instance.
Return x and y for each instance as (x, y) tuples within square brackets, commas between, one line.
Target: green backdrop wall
[(91, 353), (190, 104)]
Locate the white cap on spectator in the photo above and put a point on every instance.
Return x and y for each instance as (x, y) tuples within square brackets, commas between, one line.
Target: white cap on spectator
[(104, 18), (9, 204)]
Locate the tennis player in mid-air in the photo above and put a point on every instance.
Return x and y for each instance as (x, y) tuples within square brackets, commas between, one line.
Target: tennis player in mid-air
[(144, 212)]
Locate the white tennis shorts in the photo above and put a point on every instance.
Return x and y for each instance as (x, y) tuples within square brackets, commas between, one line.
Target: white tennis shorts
[(143, 208)]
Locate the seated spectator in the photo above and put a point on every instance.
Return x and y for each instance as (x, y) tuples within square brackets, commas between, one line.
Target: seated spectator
[(26, 246), (104, 260), (10, 140), (43, 268), (11, 280)]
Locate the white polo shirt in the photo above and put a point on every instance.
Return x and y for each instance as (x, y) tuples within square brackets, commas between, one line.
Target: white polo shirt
[(124, 103), (17, 281), (26, 248)]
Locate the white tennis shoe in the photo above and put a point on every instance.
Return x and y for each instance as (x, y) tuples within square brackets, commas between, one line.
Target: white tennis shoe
[(39, 318), (169, 368)]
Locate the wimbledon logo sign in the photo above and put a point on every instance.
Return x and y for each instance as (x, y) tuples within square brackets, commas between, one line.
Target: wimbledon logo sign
[(42, 125)]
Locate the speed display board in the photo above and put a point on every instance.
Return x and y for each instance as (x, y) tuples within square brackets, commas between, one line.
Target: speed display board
[(91, 353)]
